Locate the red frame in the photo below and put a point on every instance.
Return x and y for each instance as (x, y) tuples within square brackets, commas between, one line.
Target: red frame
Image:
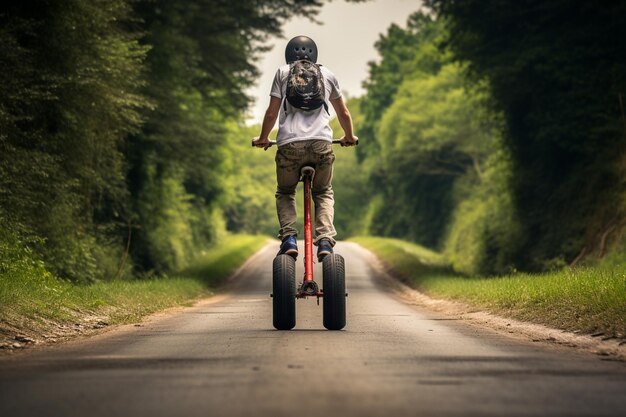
[(308, 283), (308, 231), (308, 243)]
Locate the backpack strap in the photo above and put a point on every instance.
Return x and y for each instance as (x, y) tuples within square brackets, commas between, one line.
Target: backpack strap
[(325, 105)]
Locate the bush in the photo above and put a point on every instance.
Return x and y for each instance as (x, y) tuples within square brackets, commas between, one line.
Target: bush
[(484, 233)]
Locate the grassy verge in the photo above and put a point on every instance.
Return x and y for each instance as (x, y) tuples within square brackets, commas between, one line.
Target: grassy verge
[(34, 302), (589, 300)]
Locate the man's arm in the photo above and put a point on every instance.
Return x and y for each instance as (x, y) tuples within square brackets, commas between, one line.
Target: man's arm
[(345, 120), (271, 114)]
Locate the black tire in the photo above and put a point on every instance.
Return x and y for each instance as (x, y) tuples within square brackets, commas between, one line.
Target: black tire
[(284, 292), (334, 292)]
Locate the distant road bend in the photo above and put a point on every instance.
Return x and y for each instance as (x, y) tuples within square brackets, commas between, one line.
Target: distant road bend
[(223, 358)]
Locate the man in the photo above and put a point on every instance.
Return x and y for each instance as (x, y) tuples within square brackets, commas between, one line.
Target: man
[(304, 138)]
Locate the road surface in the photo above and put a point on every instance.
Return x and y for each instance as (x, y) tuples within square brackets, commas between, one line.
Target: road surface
[(224, 359)]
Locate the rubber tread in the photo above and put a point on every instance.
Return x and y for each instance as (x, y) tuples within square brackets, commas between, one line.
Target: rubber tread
[(284, 292), (334, 286)]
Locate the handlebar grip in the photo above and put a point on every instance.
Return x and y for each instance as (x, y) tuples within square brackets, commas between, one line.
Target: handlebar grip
[(272, 143), (338, 142), (335, 142)]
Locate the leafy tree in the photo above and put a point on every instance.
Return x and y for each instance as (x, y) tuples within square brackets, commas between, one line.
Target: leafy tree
[(199, 65), (557, 73), (431, 136), (113, 120), (402, 51), (70, 80), (429, 132), (248, 202), (350, 180)]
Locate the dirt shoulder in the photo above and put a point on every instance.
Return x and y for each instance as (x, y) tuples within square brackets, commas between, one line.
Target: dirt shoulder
[(609, 347), (56, 312)]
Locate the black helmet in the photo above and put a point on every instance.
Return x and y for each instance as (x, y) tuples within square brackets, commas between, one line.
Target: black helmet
[(301, 47)]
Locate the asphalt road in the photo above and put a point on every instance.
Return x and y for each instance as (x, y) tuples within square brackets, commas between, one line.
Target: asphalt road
[(224, 359)]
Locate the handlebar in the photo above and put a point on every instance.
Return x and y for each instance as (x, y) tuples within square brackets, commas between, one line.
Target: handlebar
[(335, 142)]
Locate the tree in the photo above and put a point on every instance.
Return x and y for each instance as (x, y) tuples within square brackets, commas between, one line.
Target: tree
[(201, 60), (432, 135), (113, 117), (71, 79), (556, 71), (402, 51)]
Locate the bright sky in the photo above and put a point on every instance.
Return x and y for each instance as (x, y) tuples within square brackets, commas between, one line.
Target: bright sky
[(345, 42)]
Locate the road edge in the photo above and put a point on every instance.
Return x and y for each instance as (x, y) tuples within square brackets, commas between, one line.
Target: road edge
[(87, 333), (610, 349)]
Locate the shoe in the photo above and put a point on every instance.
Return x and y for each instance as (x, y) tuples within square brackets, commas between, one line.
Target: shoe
[(289, 247), (324, 247)]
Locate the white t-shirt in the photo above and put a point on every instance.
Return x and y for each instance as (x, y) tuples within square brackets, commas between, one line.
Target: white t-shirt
[(296, 124)]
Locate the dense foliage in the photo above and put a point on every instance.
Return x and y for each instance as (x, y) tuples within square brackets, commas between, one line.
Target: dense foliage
[(434, 143), (69, 93), (492, 131), (557, 72), (113, 118), (499, 132)]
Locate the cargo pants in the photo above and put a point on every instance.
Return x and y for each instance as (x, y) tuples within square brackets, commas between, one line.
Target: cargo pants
[(290, 159)]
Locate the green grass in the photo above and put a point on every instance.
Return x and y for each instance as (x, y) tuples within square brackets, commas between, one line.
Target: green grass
[(33, 299), (215, 265), (589, 299)]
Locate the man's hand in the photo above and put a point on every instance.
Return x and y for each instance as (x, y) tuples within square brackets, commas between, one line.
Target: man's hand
[(349, 140), (261, 143)]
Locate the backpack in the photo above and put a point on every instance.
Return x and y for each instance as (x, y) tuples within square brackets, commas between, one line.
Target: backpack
[(305, 86)]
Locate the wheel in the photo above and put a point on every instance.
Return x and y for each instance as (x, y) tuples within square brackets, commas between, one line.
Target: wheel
[(284, 292), (334, 282)]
